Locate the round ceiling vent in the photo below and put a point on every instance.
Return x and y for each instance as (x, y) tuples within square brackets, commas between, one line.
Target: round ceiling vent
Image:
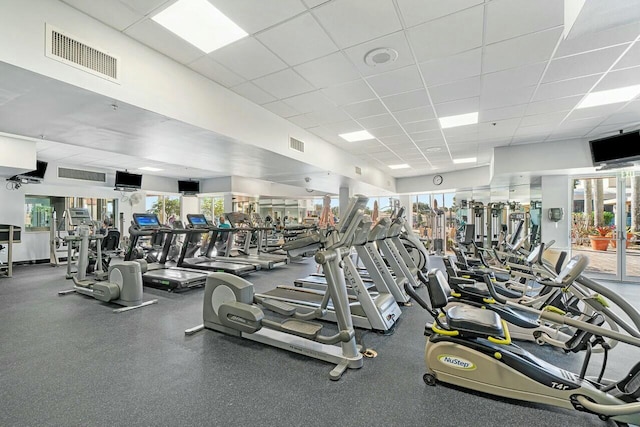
[(380, 56)]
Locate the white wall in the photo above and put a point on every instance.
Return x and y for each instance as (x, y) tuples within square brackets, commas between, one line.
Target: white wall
[(468, 178), (556, 193), (16, 156)]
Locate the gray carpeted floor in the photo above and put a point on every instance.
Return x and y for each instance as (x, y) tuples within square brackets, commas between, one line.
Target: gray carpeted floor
[(71, 361)]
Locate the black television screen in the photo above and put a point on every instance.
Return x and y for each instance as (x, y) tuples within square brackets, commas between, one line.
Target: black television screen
[(189, 187), (615, 149), (128, 180), (41, 168)]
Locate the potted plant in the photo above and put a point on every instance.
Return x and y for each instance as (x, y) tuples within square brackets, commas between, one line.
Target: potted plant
[(614, 237), (599, 237)]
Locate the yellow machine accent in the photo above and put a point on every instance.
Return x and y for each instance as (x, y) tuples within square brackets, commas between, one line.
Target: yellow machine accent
[(489, 300), (497, 355), (554, 310), (434, 328), (455, 294), (507, 337)]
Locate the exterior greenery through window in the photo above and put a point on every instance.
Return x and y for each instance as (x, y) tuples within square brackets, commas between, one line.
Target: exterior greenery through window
[(166, 207), (38, 210)]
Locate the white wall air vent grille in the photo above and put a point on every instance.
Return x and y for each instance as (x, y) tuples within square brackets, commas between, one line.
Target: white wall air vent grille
[(71, 51), (296, 144), (358, 170), (82, 175)]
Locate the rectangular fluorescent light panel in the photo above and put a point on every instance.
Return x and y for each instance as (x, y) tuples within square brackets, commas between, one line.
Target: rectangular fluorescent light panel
[(612, 96), (459, 120), (465, 160), (200, 23), (401, 166), (361, 135), (149, 168)]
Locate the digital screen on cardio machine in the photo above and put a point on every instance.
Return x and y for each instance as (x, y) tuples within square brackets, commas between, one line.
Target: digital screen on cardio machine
[(197, 220), (146, 221)]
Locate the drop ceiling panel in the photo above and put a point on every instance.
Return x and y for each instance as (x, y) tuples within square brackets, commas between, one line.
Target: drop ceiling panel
[(253, 93), (281, 109), (329, 115), (397, 81), (565, 88), (396, 41), (414, 114), (630, 59), (620, 78), (528, 75), (299, 40), (429, 135), (345, 126), (512, 18), (391, 140), (408, 100), (505, 97), (145, 7), (552, 119), (553, 105), (114, 14), (387, 131), (449, 35), (461, 106), (157, 37), (328, 71), (283, 84), (314, 3), (456, 90), (452, 68), (249, 58), (596, 40), (349, 93), (356, 21), (378, 121), (215, 71), (365, 109), (256, 15), (414, 11), (496, 114), (422, 126), (303, 121), (308, 102), (601, 112), (582, 65), (519, 51)]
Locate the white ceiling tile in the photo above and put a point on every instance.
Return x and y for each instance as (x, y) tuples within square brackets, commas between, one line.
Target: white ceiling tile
[(504, 97), (630, 59), (253, 93), (328, 71), (498, 129), (114, 14), (397, 139), (249, 58), (256, 15), (456, 90), (164, 41), (298, 40), (622, 118), (620, 78), (452, 68), (527, 49), (461, 106), (414, 114), (282, 109), (527, 75), (327, 116), (449, 35), (408, 100), (389, 132), (396, 41), (314, 3), (497, 114), (513, 18), (602, 111), (396, 81), (553, 105), (551, 119), (596, 40), (144, 7), (468, 131), (308, 102), (422, 126), (216, 72), (365, 109), (303, 121), (348, 93), (583, 64), (565, 88), (428, 135), (283, 84), (416, 12), (356, 21), (379, 121), (537, 130)]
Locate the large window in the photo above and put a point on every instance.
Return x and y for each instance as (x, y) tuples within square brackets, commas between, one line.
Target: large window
[(211, 207), (39, 210), (166, 207)]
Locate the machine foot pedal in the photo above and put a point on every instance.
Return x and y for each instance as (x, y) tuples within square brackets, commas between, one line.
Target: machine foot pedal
[(301, 328)]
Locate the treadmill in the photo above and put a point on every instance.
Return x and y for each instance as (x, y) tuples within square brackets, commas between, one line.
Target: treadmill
[(158, 275), (198, 224), (242, 222)]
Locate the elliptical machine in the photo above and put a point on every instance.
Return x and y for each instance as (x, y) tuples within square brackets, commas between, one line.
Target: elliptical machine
[(471, 347), (124, 283)]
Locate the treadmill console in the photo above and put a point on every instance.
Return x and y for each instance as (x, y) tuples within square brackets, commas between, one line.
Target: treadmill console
[(198, 221), (146, 221), (78, 216)]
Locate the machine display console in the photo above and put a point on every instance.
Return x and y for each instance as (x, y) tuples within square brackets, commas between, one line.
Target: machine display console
[(144, 221), (78, 216), (197, 221)]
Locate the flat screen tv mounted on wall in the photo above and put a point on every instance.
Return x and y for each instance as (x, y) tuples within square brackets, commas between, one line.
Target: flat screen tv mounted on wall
[(33, 176), (126, 181), (619, 148), (189, 187)]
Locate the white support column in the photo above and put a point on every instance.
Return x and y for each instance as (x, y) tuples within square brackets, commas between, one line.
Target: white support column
[(228, 202), (405, 201), (556, 193), (344, 195)]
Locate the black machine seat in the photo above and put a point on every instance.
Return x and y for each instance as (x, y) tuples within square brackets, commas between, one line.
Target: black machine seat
[(475, 320), (111, 240)]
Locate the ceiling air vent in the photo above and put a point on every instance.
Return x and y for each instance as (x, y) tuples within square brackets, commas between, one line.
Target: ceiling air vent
[(296, 144), (71, 51), (358, 170), (82, 175)]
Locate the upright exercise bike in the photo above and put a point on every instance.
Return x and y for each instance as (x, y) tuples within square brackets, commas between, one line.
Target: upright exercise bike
[(471, 347)]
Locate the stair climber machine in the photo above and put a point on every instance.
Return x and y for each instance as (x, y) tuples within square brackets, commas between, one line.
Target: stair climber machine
[(159, 274), (397, 262), (124, 283), (478, 223), (231, 307), (377, 310), (470, 347)]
